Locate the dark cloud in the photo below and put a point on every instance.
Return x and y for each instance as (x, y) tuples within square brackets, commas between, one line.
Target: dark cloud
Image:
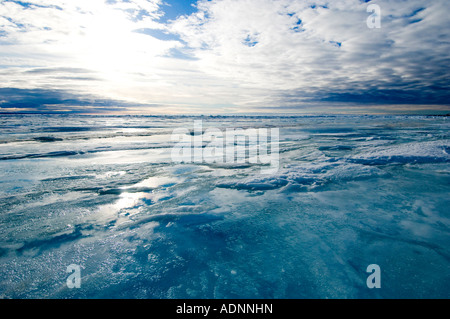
[(392, 96), (44, 101), (57, 70)]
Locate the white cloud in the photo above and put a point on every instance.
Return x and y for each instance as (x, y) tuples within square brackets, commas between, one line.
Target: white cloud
[(248, 53)]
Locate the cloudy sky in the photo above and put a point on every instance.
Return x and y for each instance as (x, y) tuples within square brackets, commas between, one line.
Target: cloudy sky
[(224, 56)]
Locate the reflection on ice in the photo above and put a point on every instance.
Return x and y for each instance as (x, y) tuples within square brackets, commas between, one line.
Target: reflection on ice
[(156, 181), (131, 201)]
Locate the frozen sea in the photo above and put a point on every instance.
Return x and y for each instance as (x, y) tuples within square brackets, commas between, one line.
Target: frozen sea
[(102, 192)]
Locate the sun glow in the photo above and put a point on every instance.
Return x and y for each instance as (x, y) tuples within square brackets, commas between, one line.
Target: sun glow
[(108, 43)]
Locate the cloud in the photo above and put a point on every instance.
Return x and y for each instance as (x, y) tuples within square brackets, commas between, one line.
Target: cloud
[(321, 47), (57, 70), (238, 55), (45, 101)]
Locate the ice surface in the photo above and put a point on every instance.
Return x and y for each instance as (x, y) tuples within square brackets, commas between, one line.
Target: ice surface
[(103, 192), (417, 152)]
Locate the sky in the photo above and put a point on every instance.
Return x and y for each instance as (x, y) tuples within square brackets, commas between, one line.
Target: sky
[(225, 56)]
